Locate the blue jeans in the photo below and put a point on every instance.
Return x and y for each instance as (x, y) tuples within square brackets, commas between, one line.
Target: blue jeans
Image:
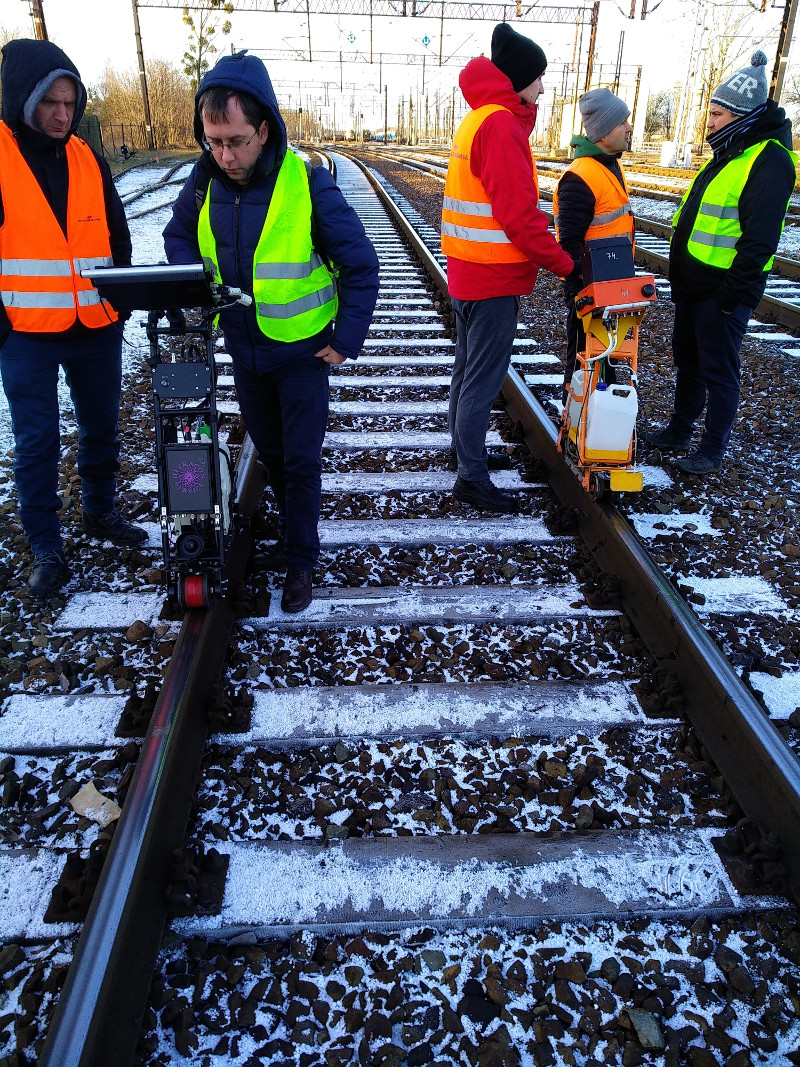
[(93, 370), (485, 331), (705, 350), (285, 411)]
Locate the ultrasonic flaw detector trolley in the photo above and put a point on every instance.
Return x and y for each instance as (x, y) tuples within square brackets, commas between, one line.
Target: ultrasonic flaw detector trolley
[(195, 477), (598, 422)]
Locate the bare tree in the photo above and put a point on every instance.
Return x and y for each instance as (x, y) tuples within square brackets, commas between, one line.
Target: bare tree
[(729, 35), (203, 26), (118, 100), (660, 115)]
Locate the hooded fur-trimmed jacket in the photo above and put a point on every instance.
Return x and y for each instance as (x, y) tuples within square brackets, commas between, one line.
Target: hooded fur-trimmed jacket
[(237, 218), (25, 64), (501, 160)]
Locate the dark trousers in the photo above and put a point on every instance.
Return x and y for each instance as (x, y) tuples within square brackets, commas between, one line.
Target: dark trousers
[(705, 350), (93, 369), (576, 342), (485, 331), (285, 411)]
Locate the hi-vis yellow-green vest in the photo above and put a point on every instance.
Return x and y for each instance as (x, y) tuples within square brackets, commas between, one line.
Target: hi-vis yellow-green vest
[(716, 227), (295, 293)]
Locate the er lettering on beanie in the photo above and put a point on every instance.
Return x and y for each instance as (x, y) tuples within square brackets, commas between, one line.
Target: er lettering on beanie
[(746, 89)]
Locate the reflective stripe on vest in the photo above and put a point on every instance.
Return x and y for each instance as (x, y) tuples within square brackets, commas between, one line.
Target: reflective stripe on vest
[(469, 230), (716, 229), (40, 282), (613, 216), (295, 293)]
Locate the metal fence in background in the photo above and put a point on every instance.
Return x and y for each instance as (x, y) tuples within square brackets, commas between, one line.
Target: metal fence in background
[(132, 136)]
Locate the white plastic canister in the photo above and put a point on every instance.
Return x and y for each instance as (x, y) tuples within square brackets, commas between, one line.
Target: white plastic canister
[(610, 418), (575, 404)]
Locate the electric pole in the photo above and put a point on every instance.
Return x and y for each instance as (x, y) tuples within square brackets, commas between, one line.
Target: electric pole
[(148, 125), (37, 14), (784, 45)]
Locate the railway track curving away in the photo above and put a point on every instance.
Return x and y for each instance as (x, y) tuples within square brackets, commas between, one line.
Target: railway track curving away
[(499, 796)]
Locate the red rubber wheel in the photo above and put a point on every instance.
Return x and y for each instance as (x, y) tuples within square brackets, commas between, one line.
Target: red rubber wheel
[(195, 591)]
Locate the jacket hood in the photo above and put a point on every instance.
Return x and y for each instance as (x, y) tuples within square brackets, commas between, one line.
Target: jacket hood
[(28, 70), (483, 83), (584, 147), (772, 124), (249, 75)]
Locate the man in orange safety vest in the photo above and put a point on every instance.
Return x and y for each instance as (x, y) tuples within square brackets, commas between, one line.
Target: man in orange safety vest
[(59, 214), (495, 237), (591, 199)]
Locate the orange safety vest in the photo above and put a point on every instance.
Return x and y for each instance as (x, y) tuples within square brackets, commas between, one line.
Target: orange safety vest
[(469, 231), (40, 269), (612, 209)]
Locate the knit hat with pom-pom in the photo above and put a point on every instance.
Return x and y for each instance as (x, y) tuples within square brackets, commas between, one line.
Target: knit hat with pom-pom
[(746, 89)]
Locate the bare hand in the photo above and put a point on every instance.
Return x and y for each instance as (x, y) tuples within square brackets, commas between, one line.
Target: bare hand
[(330, 355)]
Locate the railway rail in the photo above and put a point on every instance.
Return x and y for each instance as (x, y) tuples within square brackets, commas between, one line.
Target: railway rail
[(780, 304), (441, 642)]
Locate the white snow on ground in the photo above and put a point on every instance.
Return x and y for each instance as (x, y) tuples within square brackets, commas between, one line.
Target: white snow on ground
[(267, 886), (736, 595), (27, 879), (650, 526), (110, 611), (781, 695), (28, 722), (371, 711)]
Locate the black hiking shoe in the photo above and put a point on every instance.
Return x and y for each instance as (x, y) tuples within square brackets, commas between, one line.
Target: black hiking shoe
[(48, 574), (112, 527)]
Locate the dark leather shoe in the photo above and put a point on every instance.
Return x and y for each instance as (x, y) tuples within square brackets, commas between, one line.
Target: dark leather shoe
[(48, 573), (484, 495), (668, 440), (296, 591), (112, 527), (698, 463)]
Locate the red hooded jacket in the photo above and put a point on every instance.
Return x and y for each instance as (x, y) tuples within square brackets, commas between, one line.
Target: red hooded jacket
[(501, 160)]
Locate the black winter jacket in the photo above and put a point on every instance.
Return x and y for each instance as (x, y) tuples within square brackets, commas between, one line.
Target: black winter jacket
[(576, 209), (237, 219), (25, 64), (762, 206)]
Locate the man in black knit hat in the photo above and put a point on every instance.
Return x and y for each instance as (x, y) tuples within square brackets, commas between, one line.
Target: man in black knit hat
[(495, 238), (725, 234)]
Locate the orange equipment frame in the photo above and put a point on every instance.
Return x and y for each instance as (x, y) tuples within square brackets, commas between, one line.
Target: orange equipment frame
[(610, 313)]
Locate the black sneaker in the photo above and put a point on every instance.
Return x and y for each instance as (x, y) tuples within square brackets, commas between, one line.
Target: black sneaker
[(48, 573), (296, 591), (484, 495), (698, 463), (668, 440), (112, 527)]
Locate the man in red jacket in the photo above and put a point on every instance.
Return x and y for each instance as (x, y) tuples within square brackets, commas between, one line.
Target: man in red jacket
[(495, 239)]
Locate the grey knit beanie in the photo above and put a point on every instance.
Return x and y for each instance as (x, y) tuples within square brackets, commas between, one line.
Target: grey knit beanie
[(601, 111), (746, 89)]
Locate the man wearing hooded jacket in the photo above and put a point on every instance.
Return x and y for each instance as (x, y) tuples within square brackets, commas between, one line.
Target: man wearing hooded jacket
[(59, 213), (591, 200), (725, 233), (495, 238), (251, 209)]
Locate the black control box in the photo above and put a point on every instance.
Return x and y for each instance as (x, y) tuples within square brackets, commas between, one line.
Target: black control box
[(607, 259)]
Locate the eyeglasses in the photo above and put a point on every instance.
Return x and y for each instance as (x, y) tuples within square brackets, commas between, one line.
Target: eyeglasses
[(213, 144)]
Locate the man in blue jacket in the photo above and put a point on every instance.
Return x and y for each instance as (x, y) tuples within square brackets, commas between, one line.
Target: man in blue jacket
[(284, 234)]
